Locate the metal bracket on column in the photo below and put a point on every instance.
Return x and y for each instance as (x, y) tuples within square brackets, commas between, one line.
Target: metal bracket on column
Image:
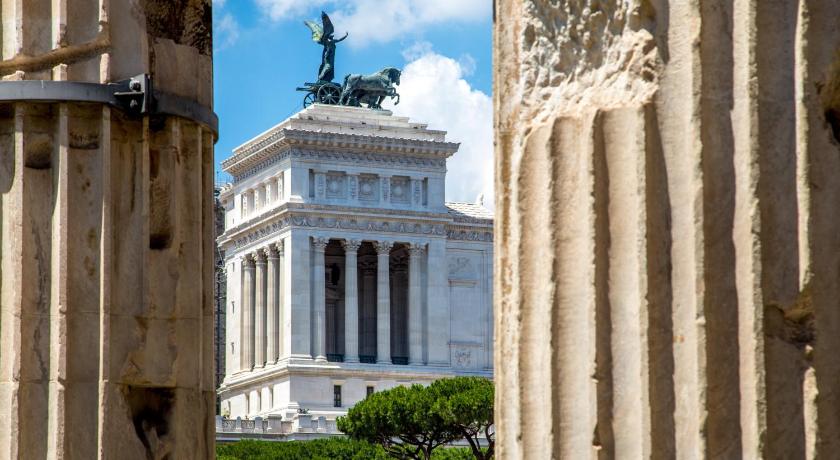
[(135, 96)]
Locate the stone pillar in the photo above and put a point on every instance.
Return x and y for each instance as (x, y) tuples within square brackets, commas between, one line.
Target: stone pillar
[(351, 301), (278, 187), (385, 189), (260, 309), (669, 225), (383, 302), (282, 313), (319, 302), (248, 305), (353, 188), (272, 300), (320, 185), (106, 248), (415, 304)]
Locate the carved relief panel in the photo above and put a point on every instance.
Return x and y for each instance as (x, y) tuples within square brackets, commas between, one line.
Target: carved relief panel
[(400, 189), (368, 187), (336, 185)]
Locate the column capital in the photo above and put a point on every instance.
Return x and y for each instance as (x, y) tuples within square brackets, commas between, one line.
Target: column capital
[(416, 249), (383, 247), (260, 255), (278, 247), (351, 245), (266, 252), (248, 260), (320, 243)]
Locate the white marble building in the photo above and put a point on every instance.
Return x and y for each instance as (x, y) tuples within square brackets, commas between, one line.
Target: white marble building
[(347, 272)]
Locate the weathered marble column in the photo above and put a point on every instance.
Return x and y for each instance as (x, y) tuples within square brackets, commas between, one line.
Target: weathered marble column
[(351, 301), (668, 253), (260, 308), (415, 304), (319, 301), (106, 247), (272, 300), (383, 302), (246, 334)]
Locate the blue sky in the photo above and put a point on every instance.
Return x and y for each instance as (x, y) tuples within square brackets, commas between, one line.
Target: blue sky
[(263, 51)]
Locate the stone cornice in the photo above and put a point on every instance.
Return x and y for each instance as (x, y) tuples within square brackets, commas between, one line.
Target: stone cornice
[(346, 370), (325, 217), (253, 154)]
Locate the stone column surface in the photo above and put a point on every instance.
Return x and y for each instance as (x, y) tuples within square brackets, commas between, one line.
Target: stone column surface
[(351, 301), (272, 300), (247, 335), (260, 308), (415, 304), (106, 248), (319, 300), (668, 234), (383, 302)]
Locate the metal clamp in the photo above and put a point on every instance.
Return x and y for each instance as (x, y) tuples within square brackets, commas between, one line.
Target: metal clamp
[(135, 96)]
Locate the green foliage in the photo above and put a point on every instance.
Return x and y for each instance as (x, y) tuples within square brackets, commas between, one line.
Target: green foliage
[(466, 404), (319, 449), (412, 422)]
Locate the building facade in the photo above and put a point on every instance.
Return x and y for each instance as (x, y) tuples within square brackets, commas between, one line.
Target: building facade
[(347, 273)]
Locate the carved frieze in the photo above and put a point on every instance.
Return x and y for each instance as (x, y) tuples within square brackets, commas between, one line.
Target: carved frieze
[(340, 223)]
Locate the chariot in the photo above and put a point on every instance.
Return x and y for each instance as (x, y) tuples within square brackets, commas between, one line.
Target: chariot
[(322, 92)]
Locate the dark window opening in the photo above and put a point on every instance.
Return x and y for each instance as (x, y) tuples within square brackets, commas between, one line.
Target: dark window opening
[(369, 391), (336, 395)]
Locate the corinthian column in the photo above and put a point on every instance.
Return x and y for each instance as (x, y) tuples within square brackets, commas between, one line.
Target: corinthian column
[(273, 305), (260, 310), (319, 336), (351, 301), (383, 302), (415, 307), (246, 334)]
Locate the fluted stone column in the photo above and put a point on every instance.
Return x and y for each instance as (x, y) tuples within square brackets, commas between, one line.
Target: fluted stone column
[(668, 255), (272, 299), (415, 304), (351, 301), (383, 302), (260, 309), (106, 236), (319, 300), (249, 289)]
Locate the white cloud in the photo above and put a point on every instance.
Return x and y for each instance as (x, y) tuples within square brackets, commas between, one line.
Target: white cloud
[(226, 31), (432, 90), (284, 9), (379, 21)]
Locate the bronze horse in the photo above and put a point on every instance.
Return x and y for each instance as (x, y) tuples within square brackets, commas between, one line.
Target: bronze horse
[(371, 89)]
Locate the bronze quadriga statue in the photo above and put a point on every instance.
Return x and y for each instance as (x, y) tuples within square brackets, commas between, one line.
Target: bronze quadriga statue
[(369, 90)]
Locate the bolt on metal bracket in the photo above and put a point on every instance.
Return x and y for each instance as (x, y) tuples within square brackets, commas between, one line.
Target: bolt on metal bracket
[(135, 96)]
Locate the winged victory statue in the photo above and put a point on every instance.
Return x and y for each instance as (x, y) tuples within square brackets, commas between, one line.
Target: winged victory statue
[(357, 89)]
